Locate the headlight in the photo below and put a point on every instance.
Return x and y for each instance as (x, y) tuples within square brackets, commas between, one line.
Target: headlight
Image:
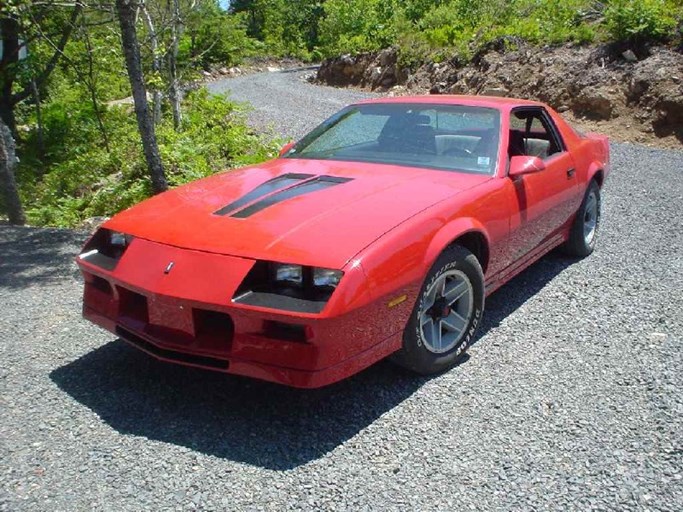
[(117, 239), (288, 286), (288, 274), (105, 248), (326, 277)]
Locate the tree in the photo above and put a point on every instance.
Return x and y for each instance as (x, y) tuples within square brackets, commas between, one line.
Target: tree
[(8, 160), (14, 19), (13, 26), (173, 92), (126, 11), (156, 63)]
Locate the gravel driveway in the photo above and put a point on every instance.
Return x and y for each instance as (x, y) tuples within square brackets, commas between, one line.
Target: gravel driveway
[(571, 399)]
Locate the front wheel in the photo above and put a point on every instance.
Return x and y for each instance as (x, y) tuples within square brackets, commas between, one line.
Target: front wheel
[(583, 233), (446, 315)]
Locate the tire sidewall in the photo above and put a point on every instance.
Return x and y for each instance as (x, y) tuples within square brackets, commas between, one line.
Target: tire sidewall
[(592, 187), (415, 354)]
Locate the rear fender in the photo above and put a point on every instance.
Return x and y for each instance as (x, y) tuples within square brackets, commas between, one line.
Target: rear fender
[(593, 170)]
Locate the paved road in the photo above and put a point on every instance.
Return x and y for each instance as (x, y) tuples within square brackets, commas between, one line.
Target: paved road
[(571, 399)]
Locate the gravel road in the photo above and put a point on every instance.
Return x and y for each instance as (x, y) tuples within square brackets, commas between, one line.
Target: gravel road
[(285, 102), (571, 399)]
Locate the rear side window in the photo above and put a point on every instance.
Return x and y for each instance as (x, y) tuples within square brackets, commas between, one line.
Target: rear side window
[(532, 133)]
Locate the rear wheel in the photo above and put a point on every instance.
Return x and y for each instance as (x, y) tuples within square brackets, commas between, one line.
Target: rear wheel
[(583, 234), (446, 314)]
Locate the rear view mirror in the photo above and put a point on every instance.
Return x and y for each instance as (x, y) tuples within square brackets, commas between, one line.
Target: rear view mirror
[(520, 165), (286, 148)]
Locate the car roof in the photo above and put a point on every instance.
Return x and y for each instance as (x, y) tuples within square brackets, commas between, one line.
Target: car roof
[(496, 102)]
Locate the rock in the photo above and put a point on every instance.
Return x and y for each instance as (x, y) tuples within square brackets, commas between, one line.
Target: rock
[(495, 91), (629, 56), (375, 75), (562, 108), (272, 69), (92, 223), (388, 57), (594, 103), (438, 88), (397, 90), (223, 71)]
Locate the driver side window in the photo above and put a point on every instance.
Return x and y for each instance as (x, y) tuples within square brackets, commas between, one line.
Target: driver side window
[(532, 135)]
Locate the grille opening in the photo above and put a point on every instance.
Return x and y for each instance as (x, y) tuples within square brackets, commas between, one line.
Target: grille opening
[(172, 355), (285, 331), (133, 305), (213, 329), (98, 283)]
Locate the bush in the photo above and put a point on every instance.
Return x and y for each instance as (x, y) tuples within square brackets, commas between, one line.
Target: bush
[(86, 180), (213, 37), (639, 20)]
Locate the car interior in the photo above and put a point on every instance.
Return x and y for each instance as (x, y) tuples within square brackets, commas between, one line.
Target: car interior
[(531, 135), (449, 140)]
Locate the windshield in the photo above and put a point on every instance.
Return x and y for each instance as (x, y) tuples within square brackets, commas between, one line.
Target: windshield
[(444, 137)]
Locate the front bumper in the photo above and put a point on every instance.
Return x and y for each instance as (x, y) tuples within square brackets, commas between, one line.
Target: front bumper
[(186, 316)]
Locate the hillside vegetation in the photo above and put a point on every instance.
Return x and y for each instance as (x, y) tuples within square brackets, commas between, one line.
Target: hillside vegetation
[(80, 153), (437, 29)]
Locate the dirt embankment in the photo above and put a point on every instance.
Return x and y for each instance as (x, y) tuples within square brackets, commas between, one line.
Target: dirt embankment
[(631, 96)]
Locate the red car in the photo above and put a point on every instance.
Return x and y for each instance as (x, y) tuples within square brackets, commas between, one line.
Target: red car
[(378, 234)]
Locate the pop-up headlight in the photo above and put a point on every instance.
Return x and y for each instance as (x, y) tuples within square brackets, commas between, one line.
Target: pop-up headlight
[(105, 248), (284, 273), (288, 286), (326, 277)]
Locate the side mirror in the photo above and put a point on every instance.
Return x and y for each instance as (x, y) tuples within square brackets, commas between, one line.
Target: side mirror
[(520, 165), (286, 148)]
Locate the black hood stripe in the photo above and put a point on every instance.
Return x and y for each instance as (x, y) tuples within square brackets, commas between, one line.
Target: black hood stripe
[(268, 187), (319, 183)]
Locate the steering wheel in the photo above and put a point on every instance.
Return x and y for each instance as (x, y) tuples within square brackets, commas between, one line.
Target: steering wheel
[(457, 152)]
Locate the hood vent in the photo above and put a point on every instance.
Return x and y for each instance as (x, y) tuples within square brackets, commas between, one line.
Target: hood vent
[(277, 190), (268, 187)]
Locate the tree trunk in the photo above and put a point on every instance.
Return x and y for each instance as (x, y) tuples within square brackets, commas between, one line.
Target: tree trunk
[(156, 64), (131, 50), (91, 84), (39, 119), (10, 56), (9, 28), (8, 161), (174, 93)]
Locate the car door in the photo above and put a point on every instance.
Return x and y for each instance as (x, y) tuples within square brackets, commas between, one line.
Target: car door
[(545, 199)]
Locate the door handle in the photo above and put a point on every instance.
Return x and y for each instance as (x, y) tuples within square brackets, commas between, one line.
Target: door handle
[(571, 172)]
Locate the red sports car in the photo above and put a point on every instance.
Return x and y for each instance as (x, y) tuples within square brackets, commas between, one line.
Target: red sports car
[(379, 233)]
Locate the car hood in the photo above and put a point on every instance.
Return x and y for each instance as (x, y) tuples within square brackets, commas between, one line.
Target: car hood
[(311, 212)]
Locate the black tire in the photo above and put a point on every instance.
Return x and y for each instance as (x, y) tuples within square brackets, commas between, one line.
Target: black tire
[(460, 265), (580, 244)]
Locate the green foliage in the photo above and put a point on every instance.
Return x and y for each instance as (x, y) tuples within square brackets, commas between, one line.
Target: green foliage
[(423, 29), (358, 25), (285, 28), (84, 180), (214, 37), (637, 20)]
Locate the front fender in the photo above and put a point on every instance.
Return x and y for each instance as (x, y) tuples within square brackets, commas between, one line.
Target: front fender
[(450, 232)]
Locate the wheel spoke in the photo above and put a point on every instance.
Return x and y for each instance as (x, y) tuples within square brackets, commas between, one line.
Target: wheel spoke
[(436, 335), (455, 290), (450, 294), (454, 322), (431, 297)]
